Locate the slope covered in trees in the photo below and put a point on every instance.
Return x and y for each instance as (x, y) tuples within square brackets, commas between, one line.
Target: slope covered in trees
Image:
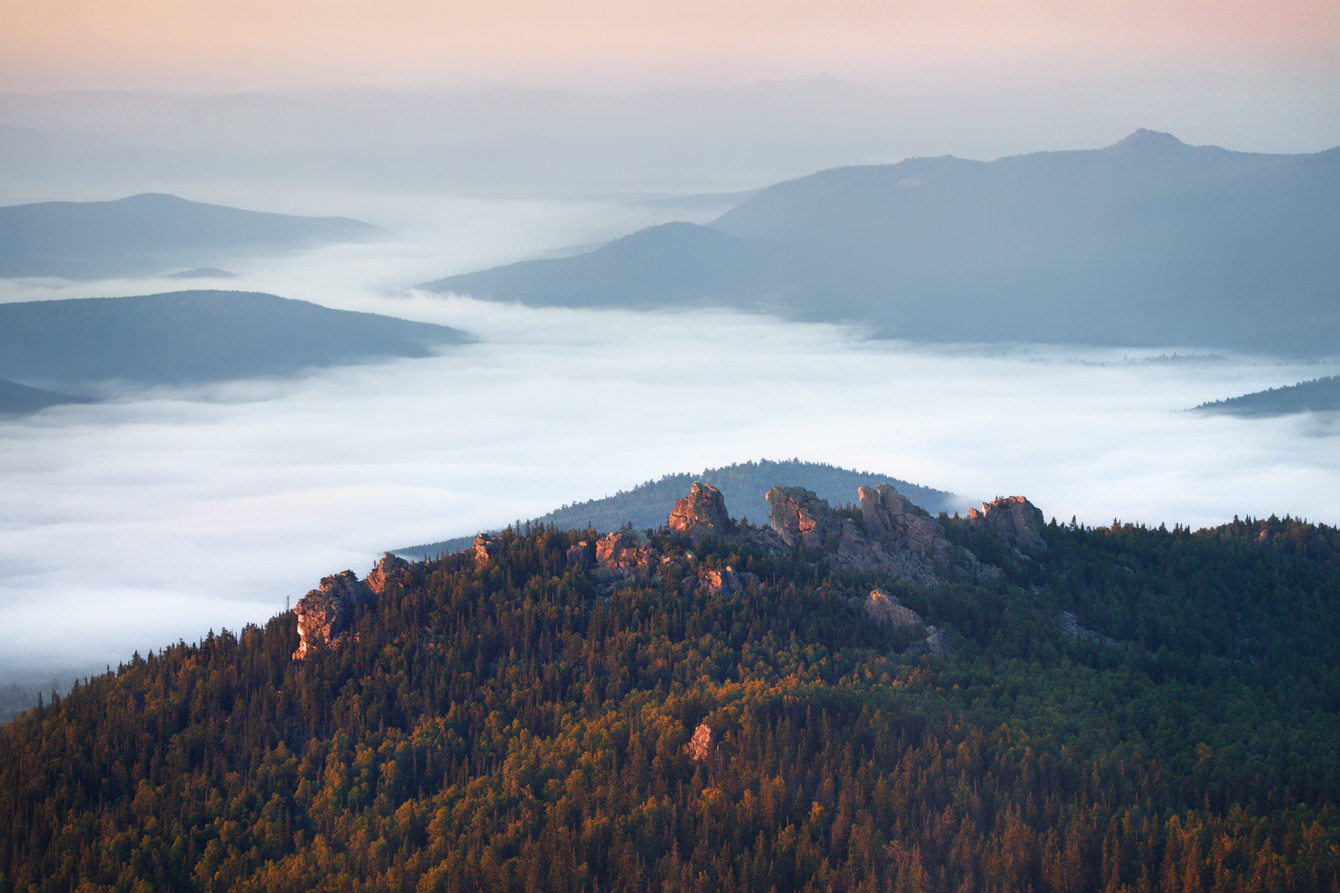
[(1317, 395), (519, 723)]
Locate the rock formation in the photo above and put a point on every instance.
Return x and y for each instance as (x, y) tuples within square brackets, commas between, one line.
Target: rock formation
[(485, 547), (899, 538), (701, 744), (892, 519), (700, 514), (799, 516), (582, 555), (623, 553), (325, 614), (885, 610), (388, 569), (1013, 520)]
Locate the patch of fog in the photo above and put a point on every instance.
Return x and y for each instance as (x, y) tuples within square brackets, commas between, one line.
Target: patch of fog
[(157, 516)]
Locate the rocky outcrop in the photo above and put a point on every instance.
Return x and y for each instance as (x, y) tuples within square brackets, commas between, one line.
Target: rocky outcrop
[(582, 555), (885, 610), (326, 614), (700, 514), (701, 744), (623, 553), (726, 581), (801, 517), (390, 568), (904, 527), (898, 537), (1014, 521), (485, 547)]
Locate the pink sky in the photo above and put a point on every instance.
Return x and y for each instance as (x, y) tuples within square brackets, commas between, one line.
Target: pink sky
[(226, 45)]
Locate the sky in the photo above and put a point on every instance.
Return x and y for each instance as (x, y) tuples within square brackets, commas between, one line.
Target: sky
[(241, 45)]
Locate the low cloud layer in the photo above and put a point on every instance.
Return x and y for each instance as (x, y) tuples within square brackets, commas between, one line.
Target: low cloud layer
[(130, 524)]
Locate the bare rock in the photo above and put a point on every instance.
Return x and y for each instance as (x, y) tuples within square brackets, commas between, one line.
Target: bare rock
[(724, 581), (485, 547), (623, 553), (885, 610), (390, 568), (326, 613), (582, 555), (1013, 520), (800, 516), (700, 514), (701, 744), (893, 519)]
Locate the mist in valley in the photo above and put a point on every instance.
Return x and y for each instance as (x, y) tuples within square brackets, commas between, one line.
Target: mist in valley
[(162, 512)]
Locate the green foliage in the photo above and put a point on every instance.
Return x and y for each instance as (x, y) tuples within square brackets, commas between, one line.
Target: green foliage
[(522, 726)]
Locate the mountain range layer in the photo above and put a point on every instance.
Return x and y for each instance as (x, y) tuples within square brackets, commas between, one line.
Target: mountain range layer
[(1146, 242), (151, 233), (196, 336)]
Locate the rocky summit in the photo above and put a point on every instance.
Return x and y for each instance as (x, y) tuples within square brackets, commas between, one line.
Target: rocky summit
[(700, 514)]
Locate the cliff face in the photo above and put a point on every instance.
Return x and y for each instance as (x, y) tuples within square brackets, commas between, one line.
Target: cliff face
[(1013, 520), (326, 613)]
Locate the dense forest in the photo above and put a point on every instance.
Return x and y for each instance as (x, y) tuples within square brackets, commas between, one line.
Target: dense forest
[(1133, 709)]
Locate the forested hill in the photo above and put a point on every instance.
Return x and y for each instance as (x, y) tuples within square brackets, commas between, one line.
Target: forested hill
[(1128, 709), (1317, 395), (151, 233), (742, 484), (194, 336)]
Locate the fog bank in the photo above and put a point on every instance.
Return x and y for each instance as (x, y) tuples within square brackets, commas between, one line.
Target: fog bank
[(130, 524)]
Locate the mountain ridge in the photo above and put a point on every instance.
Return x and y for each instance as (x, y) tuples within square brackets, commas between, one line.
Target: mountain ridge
[(1147, 242)]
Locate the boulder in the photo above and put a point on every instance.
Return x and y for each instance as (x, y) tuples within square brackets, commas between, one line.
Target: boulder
[(885, 610), (326, 613), (1014, 521), (800, 516), (700, 514)]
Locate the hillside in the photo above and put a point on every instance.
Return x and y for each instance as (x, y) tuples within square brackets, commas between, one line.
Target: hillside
[(742, 485), (1116, 708), (1148, 242), (1317, 395), (151, 233), (17, 399), (194, 336)]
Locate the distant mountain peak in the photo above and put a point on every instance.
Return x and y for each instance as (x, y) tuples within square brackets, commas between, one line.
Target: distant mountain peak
[(1146, 140)]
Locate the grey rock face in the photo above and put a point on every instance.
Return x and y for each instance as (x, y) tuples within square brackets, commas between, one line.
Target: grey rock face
[(799, 516), (1013, 520)]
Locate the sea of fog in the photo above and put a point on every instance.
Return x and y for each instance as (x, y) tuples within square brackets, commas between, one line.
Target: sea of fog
[(161, 514)]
